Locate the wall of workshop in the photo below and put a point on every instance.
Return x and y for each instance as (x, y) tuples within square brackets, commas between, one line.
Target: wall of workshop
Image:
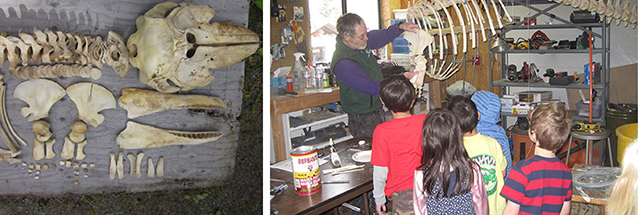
[(623, 57), (276, 29)]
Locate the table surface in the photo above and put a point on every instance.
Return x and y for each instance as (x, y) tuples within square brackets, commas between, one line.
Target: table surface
[(330, 195)]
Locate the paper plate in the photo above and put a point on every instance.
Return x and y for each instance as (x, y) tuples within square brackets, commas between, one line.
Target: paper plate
[(363, 156)]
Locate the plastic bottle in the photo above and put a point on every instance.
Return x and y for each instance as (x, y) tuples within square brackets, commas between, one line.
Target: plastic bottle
[(289, 84), (298, 70), (319, 77), (326, 83), (313, 81), (307, 78)]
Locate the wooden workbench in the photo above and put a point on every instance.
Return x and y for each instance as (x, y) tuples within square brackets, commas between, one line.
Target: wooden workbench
[(288, 103), (330, 195), (204, 165)]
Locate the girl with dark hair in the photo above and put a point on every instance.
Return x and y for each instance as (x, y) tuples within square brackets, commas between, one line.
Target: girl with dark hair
[(448, 181)]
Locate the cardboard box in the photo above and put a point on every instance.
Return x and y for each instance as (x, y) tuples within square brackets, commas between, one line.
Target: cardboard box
[(506, 104), (522, 109)]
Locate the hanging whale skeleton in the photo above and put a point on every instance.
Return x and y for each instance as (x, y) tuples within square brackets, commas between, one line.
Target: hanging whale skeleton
[(436, 21)]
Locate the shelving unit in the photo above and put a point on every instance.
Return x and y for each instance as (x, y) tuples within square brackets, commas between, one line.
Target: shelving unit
[(318, 121), (600, 31)]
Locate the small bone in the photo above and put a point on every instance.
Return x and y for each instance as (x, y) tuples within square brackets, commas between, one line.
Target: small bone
[(80, 155), (150, 172), (138, 165), (35, 47), (160, 167), (131, 160), (67, 149), (38, 149), (78, 131), (50, 153), (112, 167), (11, 44), (52, 39), (120, 165)]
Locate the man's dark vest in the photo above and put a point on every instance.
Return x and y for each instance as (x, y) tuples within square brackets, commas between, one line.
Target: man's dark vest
[(353, 101)]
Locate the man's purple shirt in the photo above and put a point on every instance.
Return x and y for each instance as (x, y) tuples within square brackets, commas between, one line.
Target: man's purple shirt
[(349, 71)]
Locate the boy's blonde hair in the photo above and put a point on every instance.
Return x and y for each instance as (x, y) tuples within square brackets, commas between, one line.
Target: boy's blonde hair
[(551, 123), (625, 191)]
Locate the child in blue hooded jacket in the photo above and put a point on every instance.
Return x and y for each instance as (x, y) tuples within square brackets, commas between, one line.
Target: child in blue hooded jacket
[(488, 105)]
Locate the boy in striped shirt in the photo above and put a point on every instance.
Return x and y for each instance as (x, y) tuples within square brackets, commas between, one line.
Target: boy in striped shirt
[(542, 184)]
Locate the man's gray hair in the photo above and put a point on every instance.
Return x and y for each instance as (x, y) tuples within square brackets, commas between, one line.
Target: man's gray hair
[(347, 24)]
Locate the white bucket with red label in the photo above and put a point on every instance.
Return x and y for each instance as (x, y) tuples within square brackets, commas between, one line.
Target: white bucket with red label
[(305, 168)]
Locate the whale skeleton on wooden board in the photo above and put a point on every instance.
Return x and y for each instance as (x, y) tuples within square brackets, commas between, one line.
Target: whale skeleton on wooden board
[(437, 23)]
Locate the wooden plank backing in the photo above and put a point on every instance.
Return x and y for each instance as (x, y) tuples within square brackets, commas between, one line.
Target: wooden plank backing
[(186, 167)]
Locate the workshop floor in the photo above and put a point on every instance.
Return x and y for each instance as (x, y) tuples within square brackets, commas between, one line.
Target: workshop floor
[(242, 195)]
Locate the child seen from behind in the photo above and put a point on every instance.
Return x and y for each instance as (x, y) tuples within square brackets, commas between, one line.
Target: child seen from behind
[(448, 181), (542, 184), (485, 151), (396, 147)]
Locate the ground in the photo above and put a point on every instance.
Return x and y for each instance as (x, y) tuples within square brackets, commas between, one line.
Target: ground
[(242, 196)]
